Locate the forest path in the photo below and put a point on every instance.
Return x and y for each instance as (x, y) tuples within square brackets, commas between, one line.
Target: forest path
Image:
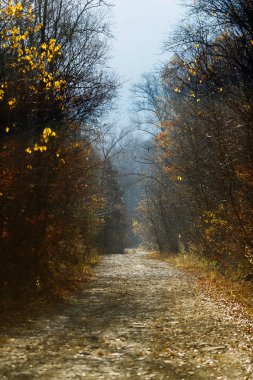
[(139, 319)]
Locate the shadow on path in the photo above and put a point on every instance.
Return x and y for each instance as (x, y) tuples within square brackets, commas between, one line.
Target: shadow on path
[(140, 319)]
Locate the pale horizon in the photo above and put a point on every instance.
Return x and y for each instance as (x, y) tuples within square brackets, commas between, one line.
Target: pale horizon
[(139, 29)]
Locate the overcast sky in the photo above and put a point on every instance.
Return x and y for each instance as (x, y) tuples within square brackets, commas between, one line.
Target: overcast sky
[(139, 28)]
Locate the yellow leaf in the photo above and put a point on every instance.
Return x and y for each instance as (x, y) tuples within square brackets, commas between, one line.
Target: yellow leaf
[(12, 102)]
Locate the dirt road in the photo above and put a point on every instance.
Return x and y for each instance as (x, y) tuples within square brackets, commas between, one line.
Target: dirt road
[(139, 319)]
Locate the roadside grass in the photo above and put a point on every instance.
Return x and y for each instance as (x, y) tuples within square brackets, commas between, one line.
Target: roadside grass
[(78, 275), (228, 289)]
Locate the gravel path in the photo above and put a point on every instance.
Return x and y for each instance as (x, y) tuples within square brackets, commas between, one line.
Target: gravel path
[(139, 319)]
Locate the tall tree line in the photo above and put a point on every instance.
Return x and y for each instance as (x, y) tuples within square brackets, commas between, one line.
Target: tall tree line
[(54, 89), (200, 107)]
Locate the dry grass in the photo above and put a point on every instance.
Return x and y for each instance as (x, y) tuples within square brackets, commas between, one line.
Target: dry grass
[(226, 289)]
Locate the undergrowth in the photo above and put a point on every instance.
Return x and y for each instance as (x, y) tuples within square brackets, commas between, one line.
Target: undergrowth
[(13, 310)]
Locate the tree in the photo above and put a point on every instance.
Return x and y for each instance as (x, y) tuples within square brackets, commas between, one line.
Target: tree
[(54, 88), (204, 137)]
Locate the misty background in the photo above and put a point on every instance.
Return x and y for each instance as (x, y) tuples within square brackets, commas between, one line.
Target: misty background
[(139, 27)]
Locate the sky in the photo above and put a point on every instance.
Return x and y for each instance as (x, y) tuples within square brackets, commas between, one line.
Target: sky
[(139, 27)]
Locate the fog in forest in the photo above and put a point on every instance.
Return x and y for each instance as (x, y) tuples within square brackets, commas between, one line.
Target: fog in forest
[(126, 189)]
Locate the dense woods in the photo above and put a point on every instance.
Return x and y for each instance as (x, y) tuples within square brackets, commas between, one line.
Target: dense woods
[(163, 200), (69, 183), (59, 198), (198, 106)]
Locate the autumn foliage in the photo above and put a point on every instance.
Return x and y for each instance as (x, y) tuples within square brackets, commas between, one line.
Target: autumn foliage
[(51, 97), (200, 105)]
